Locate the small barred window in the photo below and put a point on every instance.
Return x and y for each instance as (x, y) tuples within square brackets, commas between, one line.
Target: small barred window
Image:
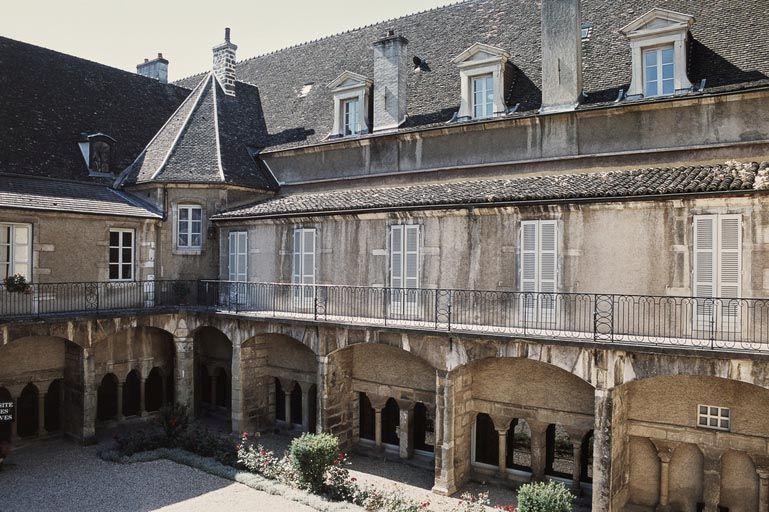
[(710, 416)]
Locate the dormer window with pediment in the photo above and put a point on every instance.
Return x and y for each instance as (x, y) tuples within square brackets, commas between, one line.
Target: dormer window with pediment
[(658, 41), (98, 151), (482, 81), (352, 93)]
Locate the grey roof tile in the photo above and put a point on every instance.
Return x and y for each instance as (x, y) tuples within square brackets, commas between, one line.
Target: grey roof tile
[(31, 193), (725, 178)]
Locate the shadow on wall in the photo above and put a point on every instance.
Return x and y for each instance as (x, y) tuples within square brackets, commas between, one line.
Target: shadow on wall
[(717, 70)]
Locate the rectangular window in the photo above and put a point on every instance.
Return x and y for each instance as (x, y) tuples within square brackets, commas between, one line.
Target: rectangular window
[(350, 116), (717, 269), (238, 256), (659, 71), (718, 418), (483, 96), (539, 267), (189, 227), (15, 250), (404, 263), (304, 262), (121, 254)]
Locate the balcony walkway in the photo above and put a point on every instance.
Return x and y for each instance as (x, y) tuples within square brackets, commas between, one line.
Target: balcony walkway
[(661, 321)]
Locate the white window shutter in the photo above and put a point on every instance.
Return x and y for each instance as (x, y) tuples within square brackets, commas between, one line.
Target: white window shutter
[(529, 256), (22, 254), (396, 256), (296, 275), (238, 256), (411, 267), (232, 261), (308, 256), (729, 260), (548, 257), (704, 255)]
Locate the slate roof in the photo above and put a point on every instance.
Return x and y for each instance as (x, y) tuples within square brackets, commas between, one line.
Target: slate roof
[(47, 99), (30, 193), (207, 140), (725, 178), (725, 49)]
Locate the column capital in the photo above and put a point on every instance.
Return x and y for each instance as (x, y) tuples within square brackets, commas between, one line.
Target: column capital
[(538, 426), (287, 384), (405, 405), (665, 449), (377, 402), (763, 472), (501, 422)]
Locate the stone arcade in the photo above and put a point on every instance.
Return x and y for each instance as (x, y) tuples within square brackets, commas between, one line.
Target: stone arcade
[(504, 239)]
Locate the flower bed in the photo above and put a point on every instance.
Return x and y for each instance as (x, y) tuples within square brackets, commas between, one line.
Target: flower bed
[(313, 471)]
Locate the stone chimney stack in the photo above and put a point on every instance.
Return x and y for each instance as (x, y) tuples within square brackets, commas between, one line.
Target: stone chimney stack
[(391, 70), (561, 55), (156, 68), (224, 63)]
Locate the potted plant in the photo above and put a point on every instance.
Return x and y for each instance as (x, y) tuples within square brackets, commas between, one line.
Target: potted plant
[(17, 283)]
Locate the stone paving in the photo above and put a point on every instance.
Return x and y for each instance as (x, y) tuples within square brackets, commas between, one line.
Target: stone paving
[(56, 475)]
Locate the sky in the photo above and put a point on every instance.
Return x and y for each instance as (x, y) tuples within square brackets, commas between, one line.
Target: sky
[(122, 33)]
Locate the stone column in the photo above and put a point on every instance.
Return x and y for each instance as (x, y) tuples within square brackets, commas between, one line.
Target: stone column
[(602, 451), (378, 403), (538, 449), (40, 413), (445, 476), (120, 416), (142, 395), (502, 426), (306, 406), (288, 386), (238, 416), (665, 454), (711, 488), (184, 378), (406, 439), (763, 488), (576, 485)]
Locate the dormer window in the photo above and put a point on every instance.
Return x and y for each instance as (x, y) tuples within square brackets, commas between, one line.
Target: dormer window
[(98, 151), (351, 99), (482, 81), (658, 50)]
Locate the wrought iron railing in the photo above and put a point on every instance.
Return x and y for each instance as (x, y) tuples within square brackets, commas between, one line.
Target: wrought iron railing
[(634, 319)]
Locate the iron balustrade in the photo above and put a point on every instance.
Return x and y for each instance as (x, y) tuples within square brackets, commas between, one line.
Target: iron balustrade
[(726, 323)]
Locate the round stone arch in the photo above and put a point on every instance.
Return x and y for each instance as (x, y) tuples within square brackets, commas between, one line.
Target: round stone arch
[(271, 357), (674, 425), (135, 347), (212, 351), (40, 360)]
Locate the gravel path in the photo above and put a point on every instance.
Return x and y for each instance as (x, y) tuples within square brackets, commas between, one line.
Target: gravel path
[(56, 475)]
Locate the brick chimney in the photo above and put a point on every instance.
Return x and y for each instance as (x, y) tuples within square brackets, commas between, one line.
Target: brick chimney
[(156, 68), (561, 55), (224, 63), (391, 68)]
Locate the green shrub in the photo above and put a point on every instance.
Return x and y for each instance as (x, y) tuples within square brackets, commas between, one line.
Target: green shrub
[(142, 440), (311, 456), (545, 497), (174, 420), (204, 442)]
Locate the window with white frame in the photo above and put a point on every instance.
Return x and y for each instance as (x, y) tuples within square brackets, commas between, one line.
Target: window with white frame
[(483, 96), (189, 229), (304, 261), (658, 42), (121, 254), (238, 256), (351, 116), (659, 71), (15, 250), (710, 416), (539, 266), (404, 262), (717, 267)]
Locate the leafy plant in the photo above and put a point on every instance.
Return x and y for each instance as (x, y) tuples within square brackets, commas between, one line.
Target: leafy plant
[(174, 420), (17, 283), (312, 455), (142, 440), (545, 497), (473, 502)]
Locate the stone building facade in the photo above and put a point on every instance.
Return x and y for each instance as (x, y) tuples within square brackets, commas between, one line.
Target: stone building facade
[(506, 240)]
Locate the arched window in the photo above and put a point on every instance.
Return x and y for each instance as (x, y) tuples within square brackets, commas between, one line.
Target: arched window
[(26, 421), (519, 445), (391, 422), (424, 428), (53, 406), (132, 394), (365, 418), (153, 390), (560, 452), (106, 398), (486, 441)]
